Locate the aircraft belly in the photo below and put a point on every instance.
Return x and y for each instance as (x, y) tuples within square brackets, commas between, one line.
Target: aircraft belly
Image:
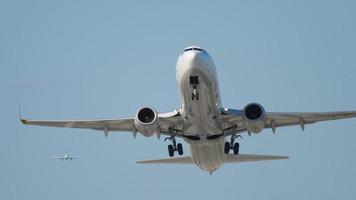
[(200, 114)]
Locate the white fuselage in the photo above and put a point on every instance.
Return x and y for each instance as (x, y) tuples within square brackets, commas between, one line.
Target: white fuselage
[(200, 99)]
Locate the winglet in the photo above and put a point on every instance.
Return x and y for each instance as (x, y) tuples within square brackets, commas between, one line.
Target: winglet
[(19, 110), (24, 121)]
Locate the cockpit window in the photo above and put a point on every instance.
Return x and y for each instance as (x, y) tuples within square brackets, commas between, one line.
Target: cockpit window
[(193, 48)]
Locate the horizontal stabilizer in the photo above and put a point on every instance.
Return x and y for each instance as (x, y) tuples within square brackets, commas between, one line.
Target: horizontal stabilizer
[(251, 158), (229, 159), (178, 160)]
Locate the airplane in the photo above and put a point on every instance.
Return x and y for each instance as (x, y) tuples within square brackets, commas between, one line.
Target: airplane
[(65, 157), (210, 129)]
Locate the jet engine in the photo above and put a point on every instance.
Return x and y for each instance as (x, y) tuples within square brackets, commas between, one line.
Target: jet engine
[(146, 121), (254, 117)]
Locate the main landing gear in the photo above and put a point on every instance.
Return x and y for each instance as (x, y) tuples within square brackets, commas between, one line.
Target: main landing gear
[(232, 145), (174, 146)]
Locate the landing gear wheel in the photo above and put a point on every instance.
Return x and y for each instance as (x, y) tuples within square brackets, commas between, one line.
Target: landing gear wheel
[(236, 148), (170, 150), (180, 149), (227, 147)]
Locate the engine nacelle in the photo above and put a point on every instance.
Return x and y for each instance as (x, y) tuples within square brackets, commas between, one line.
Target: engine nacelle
[(146, 121), (254, 117)]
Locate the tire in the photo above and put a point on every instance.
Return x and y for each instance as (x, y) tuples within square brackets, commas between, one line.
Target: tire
[(180, 149), (170, 150), (236, 148), (227, 147)]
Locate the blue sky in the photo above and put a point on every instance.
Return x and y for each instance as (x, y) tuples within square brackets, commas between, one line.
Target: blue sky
[(103, 59)]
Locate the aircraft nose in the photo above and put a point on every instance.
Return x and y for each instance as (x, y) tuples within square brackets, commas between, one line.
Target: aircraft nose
[(195, 57)]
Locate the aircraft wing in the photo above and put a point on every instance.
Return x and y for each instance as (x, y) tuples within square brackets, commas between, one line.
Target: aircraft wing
[(112, 124), (58, 157), (167, 120), (75, 157), (274, 120)]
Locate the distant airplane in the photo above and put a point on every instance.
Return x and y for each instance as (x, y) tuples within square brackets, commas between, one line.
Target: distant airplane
[(65, 157), (201, 120)]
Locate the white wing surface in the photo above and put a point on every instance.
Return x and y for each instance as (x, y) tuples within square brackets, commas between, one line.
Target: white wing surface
[(111, 124)]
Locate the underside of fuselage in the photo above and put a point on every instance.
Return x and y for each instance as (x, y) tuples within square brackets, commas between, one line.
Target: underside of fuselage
[(200, 98)]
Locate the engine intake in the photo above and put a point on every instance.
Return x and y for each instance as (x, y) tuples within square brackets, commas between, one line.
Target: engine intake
[(146, 121), (146, 115), (254, 111), (254, 117)]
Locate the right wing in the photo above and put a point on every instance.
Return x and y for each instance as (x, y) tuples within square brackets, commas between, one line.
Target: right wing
[(273, 120)]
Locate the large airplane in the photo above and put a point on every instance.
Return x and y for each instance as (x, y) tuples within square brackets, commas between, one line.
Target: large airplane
[(201, 121)]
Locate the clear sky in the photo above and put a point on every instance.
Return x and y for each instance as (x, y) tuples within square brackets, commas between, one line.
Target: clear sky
[(102, 59)]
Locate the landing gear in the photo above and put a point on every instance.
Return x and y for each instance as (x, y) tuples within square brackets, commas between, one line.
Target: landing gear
[(232, 145), (195, 94), (194, 82), (227, 147), (170, 150), (180, 149), (174, 147), (236, 148)]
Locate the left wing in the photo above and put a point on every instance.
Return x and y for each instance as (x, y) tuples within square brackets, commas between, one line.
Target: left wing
[(58, 157), (273, 120), (125, 124), (167, 121)]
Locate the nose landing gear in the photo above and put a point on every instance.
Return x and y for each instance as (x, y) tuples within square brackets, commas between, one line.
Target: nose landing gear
[(174, 147), (194, 82), (195, 94), (232, 145)]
